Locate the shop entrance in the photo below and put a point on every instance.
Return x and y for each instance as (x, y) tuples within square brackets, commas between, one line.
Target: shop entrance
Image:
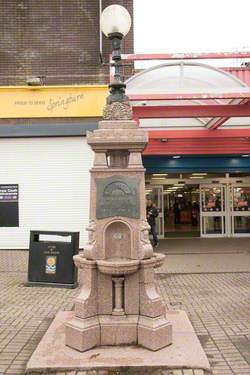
[(214, 213), (218, 209), (225, 210), (181, 211)]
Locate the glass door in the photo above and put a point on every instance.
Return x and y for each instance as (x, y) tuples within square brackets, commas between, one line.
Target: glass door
[(240, 210), (213, 211), (155, 193)]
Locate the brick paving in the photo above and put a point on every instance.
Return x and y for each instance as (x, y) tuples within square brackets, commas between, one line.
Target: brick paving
[(217, 304)]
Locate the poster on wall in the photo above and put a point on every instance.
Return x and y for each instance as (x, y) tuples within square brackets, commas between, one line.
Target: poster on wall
[(9, 205)]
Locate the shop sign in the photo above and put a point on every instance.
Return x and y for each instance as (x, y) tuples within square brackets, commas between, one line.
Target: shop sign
[(9, 215), (52, 101), (8, 193)]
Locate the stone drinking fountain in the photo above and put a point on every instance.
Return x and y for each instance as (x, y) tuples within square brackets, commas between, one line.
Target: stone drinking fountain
[(118, 303), (118, 316)]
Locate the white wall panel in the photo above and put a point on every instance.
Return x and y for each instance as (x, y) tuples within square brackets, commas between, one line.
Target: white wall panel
[(53, 178)]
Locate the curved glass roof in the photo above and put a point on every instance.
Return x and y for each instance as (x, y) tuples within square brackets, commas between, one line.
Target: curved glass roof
[(185, 77), (180, 77)]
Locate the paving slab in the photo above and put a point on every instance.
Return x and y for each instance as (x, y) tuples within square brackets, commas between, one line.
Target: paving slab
[(205, 263), (185, 352)]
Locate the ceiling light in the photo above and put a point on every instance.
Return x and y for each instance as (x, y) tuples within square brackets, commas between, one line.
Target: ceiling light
[(199, 174), (157, 178), (176, 157), (159, 174), (196, 177), (245, 156)]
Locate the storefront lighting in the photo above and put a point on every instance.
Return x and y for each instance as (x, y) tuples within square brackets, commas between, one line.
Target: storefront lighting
[(160, 174), (245, 156), (34, 81), (157, 178), (176, 157), (198, 177), (199, 174)]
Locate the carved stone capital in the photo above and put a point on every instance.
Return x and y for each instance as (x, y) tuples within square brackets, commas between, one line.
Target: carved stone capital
[(117, 111)]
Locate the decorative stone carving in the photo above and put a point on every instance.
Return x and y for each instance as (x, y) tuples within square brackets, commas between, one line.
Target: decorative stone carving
[(117, 111), (144, 232), (91, 228)]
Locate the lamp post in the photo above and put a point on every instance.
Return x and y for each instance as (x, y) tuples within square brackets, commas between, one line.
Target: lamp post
[(115, 24)]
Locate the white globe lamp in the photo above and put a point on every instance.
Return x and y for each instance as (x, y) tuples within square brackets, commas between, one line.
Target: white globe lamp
[(115, 21)]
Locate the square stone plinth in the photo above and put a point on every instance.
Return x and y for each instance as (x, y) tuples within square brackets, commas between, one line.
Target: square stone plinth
[(118, 330), (154, 333), (53, 355), (83, 334)]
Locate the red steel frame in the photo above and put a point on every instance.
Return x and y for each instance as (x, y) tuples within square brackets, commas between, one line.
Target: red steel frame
[(188, 111), (187, 56), (211, 139)]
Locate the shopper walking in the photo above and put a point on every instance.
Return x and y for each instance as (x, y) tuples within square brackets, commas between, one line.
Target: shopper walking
[(152, 213)]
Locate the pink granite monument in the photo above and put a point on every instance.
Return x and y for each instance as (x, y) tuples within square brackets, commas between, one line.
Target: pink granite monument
[(118, 315), (118, 303)]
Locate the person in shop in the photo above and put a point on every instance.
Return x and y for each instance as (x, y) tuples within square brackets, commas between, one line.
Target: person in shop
[(177, 212), (195, 214), (217, 219), (152, 213)]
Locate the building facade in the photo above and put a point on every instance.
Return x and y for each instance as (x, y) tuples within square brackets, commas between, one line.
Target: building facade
[(58, 41), (44, 174), (198, 156), (197, 166)]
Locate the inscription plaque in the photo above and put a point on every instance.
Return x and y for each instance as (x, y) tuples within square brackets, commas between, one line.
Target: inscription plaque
[(117, 196)]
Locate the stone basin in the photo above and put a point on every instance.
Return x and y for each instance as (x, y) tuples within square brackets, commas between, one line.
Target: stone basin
[(118, 266), (159, 259)]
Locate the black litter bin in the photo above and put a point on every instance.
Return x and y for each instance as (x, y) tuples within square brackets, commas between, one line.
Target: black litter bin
[(51, 259)]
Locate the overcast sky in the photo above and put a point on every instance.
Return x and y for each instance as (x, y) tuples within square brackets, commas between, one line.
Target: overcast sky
[(191, 26)]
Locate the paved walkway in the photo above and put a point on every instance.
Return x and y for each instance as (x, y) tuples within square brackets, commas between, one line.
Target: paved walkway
[(198, 255), (218, 305)]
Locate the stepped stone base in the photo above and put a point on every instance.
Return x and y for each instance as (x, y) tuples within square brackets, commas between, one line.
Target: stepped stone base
[(53, 355)]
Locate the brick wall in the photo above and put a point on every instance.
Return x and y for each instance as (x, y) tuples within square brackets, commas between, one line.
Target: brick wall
[(54, 39)]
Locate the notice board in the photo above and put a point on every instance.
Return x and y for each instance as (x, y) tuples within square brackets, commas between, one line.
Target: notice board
[(9, 216)]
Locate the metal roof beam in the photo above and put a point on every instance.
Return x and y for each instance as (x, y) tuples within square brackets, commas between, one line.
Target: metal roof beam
[(215, 123), (188, 56), (191, 96), (165, 134), (190, 111)]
